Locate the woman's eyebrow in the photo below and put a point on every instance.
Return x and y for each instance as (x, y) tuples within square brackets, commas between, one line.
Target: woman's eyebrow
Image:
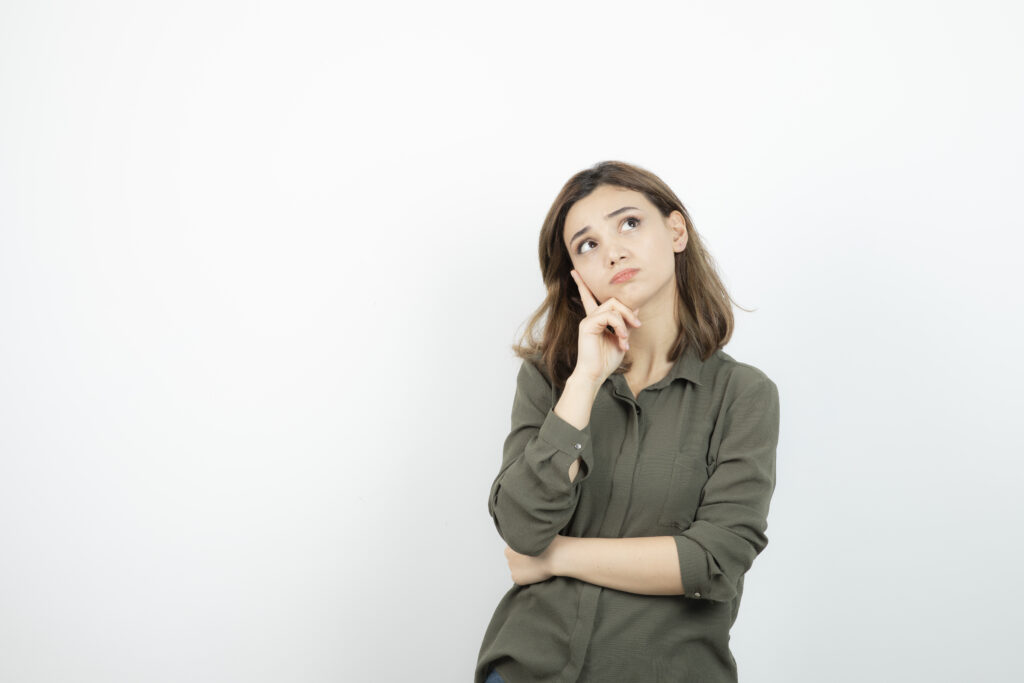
[(611, 215)]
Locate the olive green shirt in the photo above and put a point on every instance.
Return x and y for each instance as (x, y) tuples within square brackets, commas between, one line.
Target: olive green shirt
[(692, 457)]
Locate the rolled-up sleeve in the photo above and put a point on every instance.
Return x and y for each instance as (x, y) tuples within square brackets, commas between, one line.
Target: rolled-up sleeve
[(532, 499), (729, 527)]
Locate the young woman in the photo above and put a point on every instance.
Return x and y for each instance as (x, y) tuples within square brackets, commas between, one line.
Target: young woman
[(635, 482)]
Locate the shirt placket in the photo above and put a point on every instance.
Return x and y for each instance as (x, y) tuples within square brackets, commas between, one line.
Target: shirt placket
[(611, 527)]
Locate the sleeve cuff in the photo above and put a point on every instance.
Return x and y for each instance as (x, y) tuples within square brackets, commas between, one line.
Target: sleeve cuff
[(693, 567), (569, 442)]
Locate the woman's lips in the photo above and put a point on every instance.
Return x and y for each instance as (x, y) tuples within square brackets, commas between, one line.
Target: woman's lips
[(624, 275)]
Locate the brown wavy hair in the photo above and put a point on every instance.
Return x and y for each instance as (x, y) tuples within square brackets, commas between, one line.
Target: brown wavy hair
[(705, 307)]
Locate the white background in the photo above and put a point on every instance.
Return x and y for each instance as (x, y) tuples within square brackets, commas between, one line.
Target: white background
[(261, 264)]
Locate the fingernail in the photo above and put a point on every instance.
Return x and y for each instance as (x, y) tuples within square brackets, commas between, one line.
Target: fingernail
[(627, 346)]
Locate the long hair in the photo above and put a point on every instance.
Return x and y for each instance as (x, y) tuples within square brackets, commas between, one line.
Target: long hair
[(705, 308)]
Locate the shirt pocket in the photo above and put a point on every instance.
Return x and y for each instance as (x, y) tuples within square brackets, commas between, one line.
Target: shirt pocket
[(687, 479)]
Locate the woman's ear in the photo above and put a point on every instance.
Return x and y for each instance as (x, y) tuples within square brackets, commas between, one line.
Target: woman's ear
[(680, 234)]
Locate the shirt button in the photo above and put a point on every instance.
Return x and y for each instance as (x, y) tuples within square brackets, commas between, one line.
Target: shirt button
[(696, 595), (578, 446)]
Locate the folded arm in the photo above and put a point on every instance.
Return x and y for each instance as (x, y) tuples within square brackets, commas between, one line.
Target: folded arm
[(708, 558), (647, 565), (546, 455)]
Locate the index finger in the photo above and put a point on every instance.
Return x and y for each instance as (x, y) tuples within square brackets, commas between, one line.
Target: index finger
[(589, 302)]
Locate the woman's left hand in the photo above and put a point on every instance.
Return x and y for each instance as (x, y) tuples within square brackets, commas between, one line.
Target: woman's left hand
[(527, 569)]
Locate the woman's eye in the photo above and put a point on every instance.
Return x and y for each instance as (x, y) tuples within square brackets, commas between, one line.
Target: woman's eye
[(580, 250)]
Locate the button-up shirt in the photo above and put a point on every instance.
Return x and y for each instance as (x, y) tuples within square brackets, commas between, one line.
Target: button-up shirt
[(692, 457)]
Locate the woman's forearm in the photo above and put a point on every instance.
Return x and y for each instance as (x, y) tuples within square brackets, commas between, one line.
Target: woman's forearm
[(648, 565), (574, 407)]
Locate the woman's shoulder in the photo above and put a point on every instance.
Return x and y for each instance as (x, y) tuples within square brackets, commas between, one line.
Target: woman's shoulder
[(533, 371), (732, 376)]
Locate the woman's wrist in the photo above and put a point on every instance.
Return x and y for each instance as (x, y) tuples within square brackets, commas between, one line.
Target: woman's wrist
[(557, 557), (588, 384), (576, 401)]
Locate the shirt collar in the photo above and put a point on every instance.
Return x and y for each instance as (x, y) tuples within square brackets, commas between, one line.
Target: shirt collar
[(687, 366)]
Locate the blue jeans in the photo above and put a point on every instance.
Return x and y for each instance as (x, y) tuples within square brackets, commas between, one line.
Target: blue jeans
[(494, 677)]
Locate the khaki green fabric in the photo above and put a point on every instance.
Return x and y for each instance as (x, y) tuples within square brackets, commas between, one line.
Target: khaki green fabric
[(693, 457)]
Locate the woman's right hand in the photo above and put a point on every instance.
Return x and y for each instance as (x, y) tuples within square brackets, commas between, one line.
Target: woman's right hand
[(601, 350)]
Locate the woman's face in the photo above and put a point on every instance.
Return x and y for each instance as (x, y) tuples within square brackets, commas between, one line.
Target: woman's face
[(624, 231)]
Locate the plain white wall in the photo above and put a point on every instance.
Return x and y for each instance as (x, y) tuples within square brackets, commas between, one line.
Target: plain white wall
[(262, 263)]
